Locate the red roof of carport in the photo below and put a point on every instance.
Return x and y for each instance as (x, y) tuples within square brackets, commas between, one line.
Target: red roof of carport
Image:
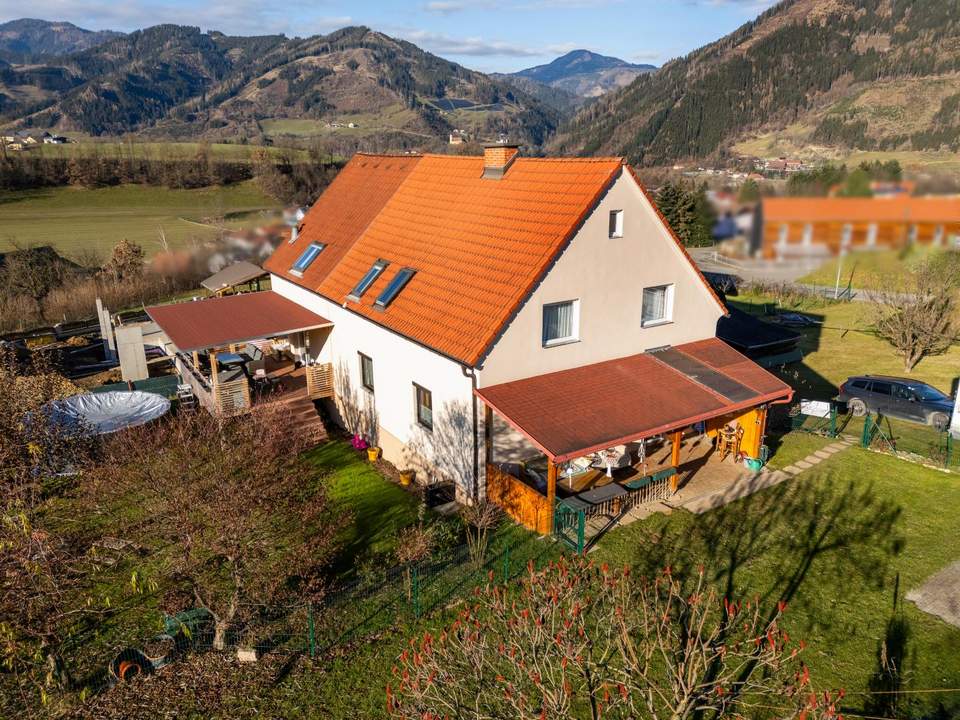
[(571, 413), (216, 322)]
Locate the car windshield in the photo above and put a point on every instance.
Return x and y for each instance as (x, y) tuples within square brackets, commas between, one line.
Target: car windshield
[(927, 393)]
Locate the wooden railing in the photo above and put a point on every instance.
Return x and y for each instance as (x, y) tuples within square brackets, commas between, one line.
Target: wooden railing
[(228, 398), (320, 381), (520, 501)]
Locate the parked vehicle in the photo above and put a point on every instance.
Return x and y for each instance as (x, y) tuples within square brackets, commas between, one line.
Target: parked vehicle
[(897, 397)]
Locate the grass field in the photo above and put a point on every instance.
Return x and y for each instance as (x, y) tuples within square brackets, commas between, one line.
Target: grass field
[(844, 345), (868, 270), (391, 119), (161, 150), (74, 219)]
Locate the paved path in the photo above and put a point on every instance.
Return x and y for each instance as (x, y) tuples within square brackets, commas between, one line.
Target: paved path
[(940, 594), (750, 483)]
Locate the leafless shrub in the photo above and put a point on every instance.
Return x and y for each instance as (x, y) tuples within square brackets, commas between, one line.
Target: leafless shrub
[(481, 517)]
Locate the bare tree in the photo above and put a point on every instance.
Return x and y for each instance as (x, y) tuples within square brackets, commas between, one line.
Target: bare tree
[(919, 318), (247, 521), (481, 518), (576, 640)]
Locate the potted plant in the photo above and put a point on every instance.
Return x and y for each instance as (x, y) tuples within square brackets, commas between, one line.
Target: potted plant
[(406, 477), (373, 453)]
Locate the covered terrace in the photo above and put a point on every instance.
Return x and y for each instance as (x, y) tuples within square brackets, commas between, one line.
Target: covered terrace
[(607, 437), (233, 350)]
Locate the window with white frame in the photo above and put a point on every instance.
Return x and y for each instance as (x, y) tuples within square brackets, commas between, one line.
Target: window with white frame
[(616, 223), (657, 305), (561, 322)]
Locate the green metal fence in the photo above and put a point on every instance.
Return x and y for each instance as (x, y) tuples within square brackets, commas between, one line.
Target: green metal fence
[(165, 385), (911, 441)]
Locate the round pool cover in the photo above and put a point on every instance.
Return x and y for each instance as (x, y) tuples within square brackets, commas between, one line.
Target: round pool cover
[(108, 412)]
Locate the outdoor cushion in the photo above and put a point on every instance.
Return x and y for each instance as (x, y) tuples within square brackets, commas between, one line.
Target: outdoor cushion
[(639, 483)]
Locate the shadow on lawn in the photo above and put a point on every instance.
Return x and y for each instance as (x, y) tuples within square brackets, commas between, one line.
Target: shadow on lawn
[(833, 529)]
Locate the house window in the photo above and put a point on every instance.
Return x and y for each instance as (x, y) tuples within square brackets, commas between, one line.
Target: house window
[(308, 256), (561, 322), (657, 305), (616, 223), (872, 232), (366, 372), (394, 287), (424, 407), (368, 279)]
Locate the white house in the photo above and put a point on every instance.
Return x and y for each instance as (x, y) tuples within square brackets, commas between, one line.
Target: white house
[(476, 310)]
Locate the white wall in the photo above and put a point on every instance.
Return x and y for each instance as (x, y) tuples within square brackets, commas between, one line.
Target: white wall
[(607, 275), (398, 363)]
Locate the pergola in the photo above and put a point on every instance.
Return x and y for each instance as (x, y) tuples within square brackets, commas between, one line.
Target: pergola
[(573, 413), (216, 325)]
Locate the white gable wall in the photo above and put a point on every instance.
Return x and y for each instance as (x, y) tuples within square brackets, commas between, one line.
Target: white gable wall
[(398, 363), (607, 275)]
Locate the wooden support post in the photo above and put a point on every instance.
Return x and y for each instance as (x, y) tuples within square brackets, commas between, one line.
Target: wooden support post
[(196, 361), (675, 439), (214, 374), (551, 490), (759, 432), (488, 434)]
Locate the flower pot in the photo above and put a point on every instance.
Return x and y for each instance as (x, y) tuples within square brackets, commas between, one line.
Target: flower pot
[(373, 453), (406, 477)]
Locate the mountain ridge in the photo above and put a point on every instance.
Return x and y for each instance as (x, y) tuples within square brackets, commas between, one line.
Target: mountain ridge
[(28, 39), (584, 73)]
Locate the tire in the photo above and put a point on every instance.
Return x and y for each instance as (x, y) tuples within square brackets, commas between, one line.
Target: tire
[(858, 408), (940, 421)]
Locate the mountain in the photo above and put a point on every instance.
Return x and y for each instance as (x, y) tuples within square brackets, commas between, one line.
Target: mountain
[(354, 88), (29, 40), (585, 74), (816, 74)]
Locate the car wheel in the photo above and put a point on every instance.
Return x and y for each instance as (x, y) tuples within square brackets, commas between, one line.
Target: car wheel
[(940, 421), (858, 407)]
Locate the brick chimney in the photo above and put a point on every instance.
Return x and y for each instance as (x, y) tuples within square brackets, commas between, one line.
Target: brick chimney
[(497, 159)]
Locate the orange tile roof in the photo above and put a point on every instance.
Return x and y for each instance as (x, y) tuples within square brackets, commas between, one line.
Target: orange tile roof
[(341, 214), (479, 246), (901, 208)]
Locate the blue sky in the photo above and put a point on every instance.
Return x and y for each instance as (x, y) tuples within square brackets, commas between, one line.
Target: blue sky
[(488, 35)]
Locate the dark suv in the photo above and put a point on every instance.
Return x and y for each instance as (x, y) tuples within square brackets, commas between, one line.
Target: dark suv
[(897, 397)]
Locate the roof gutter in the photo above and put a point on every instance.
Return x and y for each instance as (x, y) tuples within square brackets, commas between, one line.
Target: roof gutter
[(471, 373)]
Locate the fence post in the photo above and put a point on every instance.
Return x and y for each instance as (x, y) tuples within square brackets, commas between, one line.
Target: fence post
[(506, 565), (311, 634), (581, 531), (865, 436), (949, 448), (833, 420), (415, 581)]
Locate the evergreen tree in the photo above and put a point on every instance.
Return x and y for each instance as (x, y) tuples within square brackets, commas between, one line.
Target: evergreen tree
[(749, 192)]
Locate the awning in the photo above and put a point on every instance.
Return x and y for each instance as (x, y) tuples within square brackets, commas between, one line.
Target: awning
[(236, 274), (572, 413), (217, 322)]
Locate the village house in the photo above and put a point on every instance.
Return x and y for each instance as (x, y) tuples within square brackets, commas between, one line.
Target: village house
[(821, 227), (528, 329)]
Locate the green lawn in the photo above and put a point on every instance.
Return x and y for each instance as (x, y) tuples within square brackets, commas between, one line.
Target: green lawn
[(844, 345), (87, 147), (72, 219), (843, 544), (867, 270)]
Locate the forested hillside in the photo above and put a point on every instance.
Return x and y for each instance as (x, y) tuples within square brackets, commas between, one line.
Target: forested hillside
[(870, 74), (176, 81), (30, 40)]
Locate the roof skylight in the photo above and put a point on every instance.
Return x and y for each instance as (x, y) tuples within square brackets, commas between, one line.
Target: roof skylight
[(394, 287), (368, 279), (308, 256)]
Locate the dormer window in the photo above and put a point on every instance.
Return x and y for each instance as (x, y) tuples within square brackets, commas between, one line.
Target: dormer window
[(368, 279), (616, 223), (394, 287), (308, 256)]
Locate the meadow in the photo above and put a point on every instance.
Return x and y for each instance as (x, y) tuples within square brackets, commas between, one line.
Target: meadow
[(75, 220)]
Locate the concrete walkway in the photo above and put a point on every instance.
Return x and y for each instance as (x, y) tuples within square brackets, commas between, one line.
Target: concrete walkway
[(940, 595), (749, 483)]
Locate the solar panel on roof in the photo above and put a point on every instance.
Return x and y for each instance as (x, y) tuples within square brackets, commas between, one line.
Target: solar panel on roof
[(704, 374), (394, 287)]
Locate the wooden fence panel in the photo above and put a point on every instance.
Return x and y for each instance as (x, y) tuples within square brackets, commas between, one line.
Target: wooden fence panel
[(520, 501)]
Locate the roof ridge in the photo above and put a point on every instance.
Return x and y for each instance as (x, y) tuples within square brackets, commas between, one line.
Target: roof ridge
[(606, 159)]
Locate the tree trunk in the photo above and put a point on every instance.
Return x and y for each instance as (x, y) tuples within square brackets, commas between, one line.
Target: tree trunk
[(57, 671), (220, 634)]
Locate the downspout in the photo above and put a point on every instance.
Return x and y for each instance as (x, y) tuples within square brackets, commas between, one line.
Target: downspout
[(469, 372)]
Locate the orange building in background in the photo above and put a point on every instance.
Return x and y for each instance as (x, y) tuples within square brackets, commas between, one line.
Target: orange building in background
[(809, 227)]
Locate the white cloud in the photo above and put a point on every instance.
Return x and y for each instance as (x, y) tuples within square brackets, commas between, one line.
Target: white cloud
[(447, 7), (443, 44), (242, 17)]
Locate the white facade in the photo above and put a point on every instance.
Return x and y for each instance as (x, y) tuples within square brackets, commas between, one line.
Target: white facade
[(388, 415), (604, 269)]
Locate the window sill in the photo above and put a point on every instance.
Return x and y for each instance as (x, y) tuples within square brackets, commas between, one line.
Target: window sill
[(296, 273), (615, 237), (368, 389), (656, 323), (558, 343)]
